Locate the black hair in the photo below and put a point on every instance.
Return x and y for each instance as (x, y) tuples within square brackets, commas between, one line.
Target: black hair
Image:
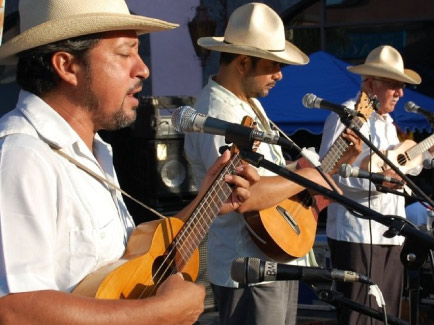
[(35, 72)]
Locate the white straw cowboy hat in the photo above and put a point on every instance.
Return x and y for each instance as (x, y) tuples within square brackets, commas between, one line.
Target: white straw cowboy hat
[(47, 21), (256, 30), (386, 62)]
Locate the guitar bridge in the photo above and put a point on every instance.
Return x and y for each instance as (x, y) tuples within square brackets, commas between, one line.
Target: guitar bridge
[(289, 219)]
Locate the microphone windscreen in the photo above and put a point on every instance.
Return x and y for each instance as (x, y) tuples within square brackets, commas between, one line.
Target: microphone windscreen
[(245, 270), (345, 170), (309, 100), (410, 107), (183, 118), (238, 270), (428, 163)]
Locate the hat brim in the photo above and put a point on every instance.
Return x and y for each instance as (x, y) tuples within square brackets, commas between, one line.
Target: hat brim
[(379, 70), (290, 55), (78, 25)]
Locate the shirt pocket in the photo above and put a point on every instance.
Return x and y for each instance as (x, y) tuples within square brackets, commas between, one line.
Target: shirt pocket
[(82, 254)]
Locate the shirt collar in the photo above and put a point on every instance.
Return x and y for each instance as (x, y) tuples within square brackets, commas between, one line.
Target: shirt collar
[(47, 122)]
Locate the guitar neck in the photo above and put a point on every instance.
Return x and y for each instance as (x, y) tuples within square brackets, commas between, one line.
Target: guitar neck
[(200, 220), (421, 147), (338, 148)]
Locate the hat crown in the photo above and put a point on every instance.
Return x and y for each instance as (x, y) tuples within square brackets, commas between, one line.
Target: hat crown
[(256, 25), (32, 15), (386, 56)]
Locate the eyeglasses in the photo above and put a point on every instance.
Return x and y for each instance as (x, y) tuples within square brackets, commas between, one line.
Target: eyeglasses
[(395, 85)]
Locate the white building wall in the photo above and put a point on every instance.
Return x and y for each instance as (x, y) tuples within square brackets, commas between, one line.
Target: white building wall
[(175, 68)]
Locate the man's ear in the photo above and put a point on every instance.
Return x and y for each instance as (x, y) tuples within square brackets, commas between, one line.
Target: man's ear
[(66, 66), (244, 64)]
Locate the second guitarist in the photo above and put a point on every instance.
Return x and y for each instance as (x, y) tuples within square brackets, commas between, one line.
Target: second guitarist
[(249, 68)]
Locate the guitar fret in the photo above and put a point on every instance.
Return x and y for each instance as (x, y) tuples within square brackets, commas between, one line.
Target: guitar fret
[(340, 145), (195, 229), (421, 147)]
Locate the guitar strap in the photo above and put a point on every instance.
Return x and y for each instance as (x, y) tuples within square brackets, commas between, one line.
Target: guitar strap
[(104, 180), (264, 121), (310, 258)]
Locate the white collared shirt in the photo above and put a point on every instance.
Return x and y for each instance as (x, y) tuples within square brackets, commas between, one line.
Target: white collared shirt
[(57, 222), (228, 237)]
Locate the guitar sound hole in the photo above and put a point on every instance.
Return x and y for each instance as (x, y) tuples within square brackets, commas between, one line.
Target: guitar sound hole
[(161, 269), (402, 160)]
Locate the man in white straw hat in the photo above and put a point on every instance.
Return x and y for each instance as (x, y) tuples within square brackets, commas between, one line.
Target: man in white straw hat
[(358, 244), (253, 50), (62, 216)]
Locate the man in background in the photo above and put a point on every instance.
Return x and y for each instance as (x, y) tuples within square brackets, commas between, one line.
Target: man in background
[(253, 51), (358, 244)]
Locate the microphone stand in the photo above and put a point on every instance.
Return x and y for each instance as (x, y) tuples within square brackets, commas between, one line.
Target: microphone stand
[(385, 189), (412, 256), (416, 244), (337, 299)]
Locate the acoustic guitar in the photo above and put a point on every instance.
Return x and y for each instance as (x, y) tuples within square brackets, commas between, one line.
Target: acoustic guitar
[(406, 156), (160, 248), (287, 230)]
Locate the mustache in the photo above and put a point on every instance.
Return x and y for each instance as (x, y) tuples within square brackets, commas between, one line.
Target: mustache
[(135, 88)]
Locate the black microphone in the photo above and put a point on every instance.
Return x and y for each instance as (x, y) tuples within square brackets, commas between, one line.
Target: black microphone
[(428, 163), (185, 119), (347, 170), (413, 108), (246, 270), (312, 101)]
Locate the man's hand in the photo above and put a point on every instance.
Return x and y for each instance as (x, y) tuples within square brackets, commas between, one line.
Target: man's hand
[(391, 173), (353, 150), (244, 176), (184, 298)]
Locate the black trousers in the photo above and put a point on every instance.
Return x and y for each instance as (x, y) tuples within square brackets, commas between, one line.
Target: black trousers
[(382, 263)]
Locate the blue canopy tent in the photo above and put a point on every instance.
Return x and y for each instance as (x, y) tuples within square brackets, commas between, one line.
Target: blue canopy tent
[(327, 77)]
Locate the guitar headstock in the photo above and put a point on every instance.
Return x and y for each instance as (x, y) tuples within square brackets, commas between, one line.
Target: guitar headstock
[(365, 105), (247, 121)]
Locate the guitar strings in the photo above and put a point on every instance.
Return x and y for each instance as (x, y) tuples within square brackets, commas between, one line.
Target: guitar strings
[(181, 241)]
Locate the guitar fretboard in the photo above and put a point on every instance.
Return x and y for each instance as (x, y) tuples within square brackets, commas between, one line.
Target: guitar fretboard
[(421, 147), (336, 151), (338, 148), (197, 226)]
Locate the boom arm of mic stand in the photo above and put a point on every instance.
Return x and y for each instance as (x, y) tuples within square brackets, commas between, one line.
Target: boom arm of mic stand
[(347, 122), (337, 298), (400, 225)]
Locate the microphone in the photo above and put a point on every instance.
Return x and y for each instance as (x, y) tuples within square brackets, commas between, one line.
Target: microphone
[(413, 108), (312, 101), (185, 119), (347, 170), (428, 163), (246, 270)]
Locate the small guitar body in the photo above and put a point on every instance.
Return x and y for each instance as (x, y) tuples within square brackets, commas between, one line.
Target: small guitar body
[(406, 156), (146, 262), (287, 230)]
